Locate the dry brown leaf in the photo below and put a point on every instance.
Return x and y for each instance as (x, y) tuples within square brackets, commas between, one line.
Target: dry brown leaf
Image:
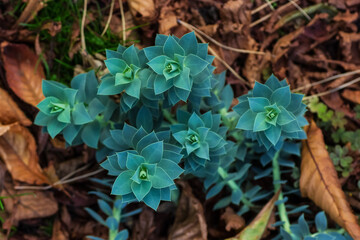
[(233, 221), (319, 181), (24, 72), (353, 96), (52, 27), (58, 232), (189, 221), (30, 11), (257, 227), (143, 10), (145, 226), (10, 112), (28, 205), (18, 150)]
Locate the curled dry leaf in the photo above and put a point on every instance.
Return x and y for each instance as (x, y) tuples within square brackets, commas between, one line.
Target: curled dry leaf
[(143, 10), (189, 221), (319, 181), (257, 227), (24, 72), (353, 96), (28, 204), (233, 221), (18, 151), (10, 112)]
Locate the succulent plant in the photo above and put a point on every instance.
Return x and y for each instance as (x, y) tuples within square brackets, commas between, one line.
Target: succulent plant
[(271, 113), (56, 109), (128, 75), (177, 65), (77, 112), (201, 138), (146, 171)]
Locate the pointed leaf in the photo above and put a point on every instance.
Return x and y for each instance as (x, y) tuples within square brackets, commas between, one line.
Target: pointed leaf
[(24, 72), (320, 183), (257, 227)]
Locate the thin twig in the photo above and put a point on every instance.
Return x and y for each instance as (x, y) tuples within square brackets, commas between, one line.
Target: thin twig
[(256, 10), (123, 21), (61, 181), (326, 80), (109, 18), (83, 43), (264, 18), (212, 51), (269, 3), (300, 9), (334, 89), (218, 43)]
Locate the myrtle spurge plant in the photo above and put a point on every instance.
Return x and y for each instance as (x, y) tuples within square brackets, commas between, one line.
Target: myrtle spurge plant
[(172, 118), (270, 113)]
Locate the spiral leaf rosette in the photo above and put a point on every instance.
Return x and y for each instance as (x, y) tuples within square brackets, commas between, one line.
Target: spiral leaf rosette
[(146, 171), (270, 113)]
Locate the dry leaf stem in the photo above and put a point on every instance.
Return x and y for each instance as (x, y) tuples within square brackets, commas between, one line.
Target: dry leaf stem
[(276, 179)]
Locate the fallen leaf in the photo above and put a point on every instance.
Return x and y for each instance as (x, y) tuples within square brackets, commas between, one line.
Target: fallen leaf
[(145, 226), (353, 96), (233, 221), (319, 181), (52, 27), (24, 72), (189, 221), (30, 11), (257, 227), (143, 10), (58, 232), (18, 151), (28, 204), (10, 112)]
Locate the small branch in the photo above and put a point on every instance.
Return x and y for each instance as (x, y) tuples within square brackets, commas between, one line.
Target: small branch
[(109, 18), (263, 6), (61, 181), (300, 9), (212, 51), (276, 179), (326, 80), (169, 117), (334, 89), (83, 43), (218, 43), (123, 21)]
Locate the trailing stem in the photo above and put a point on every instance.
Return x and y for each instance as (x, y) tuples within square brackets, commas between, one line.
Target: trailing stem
[(276, 179), (233, 186)]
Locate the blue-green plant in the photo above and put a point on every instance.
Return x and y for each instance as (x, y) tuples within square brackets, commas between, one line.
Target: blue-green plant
[(113, 209), (147, 171), (161, 113), (301, 230), (341, 160), (270, 113)]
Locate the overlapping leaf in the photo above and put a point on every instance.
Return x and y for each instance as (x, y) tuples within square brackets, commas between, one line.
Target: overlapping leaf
[(24, 72), (320, 183)]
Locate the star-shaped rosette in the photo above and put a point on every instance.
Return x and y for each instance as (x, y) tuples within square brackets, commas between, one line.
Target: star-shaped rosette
[(146, 171), (56, 108), (270, 113), (201, 138), (128, 72), (178, 65)]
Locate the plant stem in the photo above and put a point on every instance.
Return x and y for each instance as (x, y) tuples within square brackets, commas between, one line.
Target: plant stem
[(234, 187), (169, 117), (276, 178)]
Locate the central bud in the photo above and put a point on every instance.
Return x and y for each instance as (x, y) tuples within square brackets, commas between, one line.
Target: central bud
[(128, 73), (271, 114), (143, 173), (56, 107), (193, 139)]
